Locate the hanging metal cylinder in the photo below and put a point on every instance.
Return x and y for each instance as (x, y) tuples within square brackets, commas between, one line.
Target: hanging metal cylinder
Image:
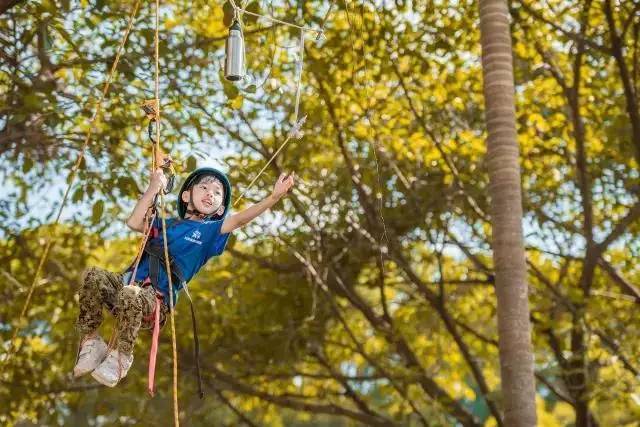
[(234, 51)]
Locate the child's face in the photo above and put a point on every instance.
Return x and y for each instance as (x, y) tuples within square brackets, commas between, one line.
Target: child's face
[(208, 196)]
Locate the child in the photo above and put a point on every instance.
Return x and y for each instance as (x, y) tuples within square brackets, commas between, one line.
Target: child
[(200, 232)]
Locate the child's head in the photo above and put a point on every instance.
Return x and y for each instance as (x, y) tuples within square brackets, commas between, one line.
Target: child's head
[(206, 193)]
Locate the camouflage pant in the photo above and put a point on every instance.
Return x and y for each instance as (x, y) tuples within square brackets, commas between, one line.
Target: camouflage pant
[(131, 305)]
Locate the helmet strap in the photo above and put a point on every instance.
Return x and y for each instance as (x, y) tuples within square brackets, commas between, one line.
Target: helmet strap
[(197, 213)]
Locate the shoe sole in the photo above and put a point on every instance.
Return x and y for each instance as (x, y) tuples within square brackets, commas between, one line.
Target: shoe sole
[(102, 380), (80, 372)]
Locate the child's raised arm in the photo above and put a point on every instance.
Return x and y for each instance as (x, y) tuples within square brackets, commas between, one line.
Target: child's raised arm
[(157, 183), (242, 218)]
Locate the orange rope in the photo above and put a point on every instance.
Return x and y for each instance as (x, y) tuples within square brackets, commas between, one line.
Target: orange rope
[(176, 419)]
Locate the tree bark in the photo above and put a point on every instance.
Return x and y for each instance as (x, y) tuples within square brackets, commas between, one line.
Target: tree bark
[(514, 328)]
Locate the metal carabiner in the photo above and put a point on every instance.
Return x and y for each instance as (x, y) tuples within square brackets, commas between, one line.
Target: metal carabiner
[(162, 160)]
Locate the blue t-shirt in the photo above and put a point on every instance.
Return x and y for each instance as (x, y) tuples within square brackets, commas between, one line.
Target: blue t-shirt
[(191, 244)]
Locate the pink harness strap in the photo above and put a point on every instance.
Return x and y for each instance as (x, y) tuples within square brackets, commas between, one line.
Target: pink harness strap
[(154, 344)]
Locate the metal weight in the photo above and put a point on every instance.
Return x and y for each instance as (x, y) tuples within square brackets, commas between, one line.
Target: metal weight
[(234, 50)]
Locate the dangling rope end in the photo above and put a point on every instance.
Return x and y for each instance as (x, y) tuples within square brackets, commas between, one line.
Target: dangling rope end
[(296, 131)]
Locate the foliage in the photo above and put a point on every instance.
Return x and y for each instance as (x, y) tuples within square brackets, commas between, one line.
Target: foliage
[(367, 297)]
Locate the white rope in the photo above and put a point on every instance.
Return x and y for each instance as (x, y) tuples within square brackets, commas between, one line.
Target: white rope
[(299, 66), (272, 19), (294, 133)]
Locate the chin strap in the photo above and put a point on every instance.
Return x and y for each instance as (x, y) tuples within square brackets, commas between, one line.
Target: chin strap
[(197, 213)]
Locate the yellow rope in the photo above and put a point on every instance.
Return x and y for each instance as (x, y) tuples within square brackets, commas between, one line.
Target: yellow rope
[(176, 420), (71, 178)]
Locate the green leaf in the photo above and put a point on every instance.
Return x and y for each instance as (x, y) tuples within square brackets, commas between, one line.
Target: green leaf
[(127, 185), (65, 35), (31, 101), (77, 195), (98, 209), (192, 163), (230, 90), (50, 6), (236, 103), (250, 89), (27, 164)]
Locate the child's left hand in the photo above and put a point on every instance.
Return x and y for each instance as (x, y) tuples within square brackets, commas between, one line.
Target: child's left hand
[(284, 184)]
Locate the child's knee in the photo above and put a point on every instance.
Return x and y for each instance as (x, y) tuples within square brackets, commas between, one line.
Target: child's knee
[(128, 294), (129, 310), (89, 286), (91, 276)]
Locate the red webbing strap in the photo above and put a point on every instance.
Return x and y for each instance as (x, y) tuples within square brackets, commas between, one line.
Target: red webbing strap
[(154, 344)]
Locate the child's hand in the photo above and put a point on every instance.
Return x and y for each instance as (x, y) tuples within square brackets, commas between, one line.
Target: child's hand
[(284, 184), (158, 181)]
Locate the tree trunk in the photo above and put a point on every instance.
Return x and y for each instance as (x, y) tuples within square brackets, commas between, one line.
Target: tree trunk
[(514, 328)]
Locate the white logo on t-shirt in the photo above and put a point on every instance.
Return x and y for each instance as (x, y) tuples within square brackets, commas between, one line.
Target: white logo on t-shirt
[(195, 237)]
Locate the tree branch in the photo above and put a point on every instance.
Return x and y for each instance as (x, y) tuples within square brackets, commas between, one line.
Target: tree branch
[(287, 402), (627, 84), (627, 288)]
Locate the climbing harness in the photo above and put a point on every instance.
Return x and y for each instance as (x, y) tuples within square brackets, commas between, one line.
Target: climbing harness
[(155, 253)]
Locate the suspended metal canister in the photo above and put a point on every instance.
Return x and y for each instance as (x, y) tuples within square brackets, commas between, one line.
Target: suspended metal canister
[(234, 61)]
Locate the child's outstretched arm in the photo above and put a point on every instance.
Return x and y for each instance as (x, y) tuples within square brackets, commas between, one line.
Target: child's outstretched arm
[(157, 183), (239, 219)]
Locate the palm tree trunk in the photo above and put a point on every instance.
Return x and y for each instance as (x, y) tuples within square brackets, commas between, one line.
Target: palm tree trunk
[(514, 328)]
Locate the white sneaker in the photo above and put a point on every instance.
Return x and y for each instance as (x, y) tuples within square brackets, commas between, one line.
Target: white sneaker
[(92, 351), (113, 369)]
